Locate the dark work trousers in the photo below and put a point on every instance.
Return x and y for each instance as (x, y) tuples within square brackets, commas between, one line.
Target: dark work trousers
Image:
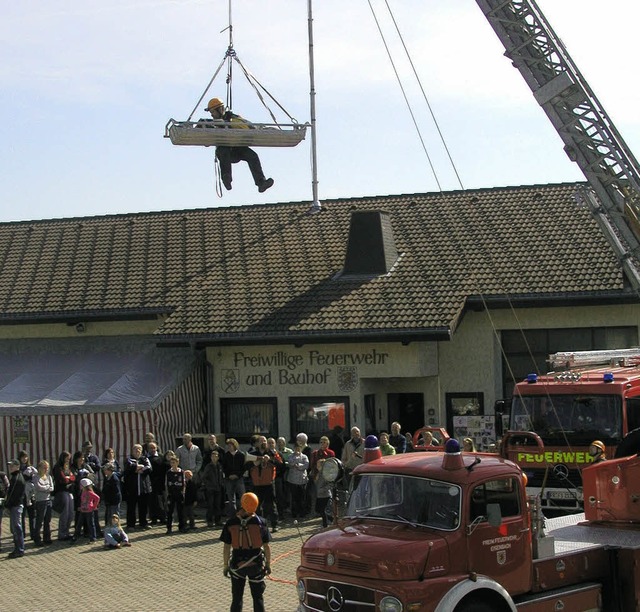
[(232, 155), (255, 574), (142, 502), (267, 508)]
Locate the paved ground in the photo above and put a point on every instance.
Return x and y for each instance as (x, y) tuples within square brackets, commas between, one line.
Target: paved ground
[(158, 572)]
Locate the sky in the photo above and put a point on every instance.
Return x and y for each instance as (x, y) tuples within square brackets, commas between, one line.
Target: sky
[(86, 89)]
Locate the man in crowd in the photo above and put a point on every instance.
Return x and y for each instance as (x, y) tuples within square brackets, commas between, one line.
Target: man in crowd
[(353, 452), (397, 439), (14, 502), (159, 469), (189, 455), (263, 476)]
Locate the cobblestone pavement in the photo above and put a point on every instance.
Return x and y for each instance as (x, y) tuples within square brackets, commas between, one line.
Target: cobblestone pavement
[(158, 572)]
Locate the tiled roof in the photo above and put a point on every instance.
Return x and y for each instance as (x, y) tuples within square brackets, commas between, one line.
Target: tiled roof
[(274, 270)]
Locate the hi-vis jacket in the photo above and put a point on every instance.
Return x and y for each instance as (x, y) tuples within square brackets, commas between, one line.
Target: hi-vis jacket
[(263, 474)]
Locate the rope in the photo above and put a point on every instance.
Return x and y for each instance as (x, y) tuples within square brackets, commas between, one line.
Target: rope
[(406, 99), (453, 165), (273, 561), (217, 180), (424, 95), (204, 93), (252, 79)]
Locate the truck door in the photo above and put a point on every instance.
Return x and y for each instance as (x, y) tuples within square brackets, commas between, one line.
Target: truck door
[(501, 551)]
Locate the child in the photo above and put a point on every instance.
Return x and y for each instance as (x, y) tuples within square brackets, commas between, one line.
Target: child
[(89, 502), (114, 535), (190, 498), (213, 481), (111, 492), (174, 486)]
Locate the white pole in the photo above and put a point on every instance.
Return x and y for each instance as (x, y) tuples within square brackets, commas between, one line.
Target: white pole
[(315, 206)]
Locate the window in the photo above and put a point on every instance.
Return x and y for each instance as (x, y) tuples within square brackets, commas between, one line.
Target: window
[(505, 492), (463, 405), (317, 416), (243, 417), (406, 499)]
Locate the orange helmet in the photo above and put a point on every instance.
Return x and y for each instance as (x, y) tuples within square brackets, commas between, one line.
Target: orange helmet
[(249, 502), (214, 103), (599, 444)]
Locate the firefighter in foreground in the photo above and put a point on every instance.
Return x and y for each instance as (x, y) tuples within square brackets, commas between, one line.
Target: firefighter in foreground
[(246, 553), (232, 155)]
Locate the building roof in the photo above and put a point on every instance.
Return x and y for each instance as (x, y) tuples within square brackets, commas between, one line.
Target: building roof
[(274, 271)]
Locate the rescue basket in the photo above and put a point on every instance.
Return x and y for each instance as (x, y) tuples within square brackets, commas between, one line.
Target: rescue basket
[(210, 133)]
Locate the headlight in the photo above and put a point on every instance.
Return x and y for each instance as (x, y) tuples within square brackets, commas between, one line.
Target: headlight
[(331, 469), (301, 590), (390, 604)]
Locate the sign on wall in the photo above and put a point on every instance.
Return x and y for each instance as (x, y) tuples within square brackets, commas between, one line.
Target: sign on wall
[(333, 368)]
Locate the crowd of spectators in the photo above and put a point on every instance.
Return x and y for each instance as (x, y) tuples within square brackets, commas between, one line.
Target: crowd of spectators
[(160, 488)]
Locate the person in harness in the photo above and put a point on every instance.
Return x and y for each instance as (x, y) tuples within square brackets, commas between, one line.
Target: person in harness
[(246, 554), (232, 155)]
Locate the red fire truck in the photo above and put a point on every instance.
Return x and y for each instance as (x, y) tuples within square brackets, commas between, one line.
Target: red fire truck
[(555, 417), (453, 532)]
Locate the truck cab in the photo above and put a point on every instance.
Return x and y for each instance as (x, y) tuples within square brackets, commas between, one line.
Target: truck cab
[(419, 532)]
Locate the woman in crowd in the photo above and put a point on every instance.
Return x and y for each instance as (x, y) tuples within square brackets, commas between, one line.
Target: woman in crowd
[(64, 483), (43, 488), (110, 457)]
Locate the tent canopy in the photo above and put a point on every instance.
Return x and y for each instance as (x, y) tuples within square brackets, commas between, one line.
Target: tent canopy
[(52, 377)]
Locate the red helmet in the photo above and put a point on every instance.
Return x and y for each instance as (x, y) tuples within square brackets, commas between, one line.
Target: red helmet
[(249, 502)]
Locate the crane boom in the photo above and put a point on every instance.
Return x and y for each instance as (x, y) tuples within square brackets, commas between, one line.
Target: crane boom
[(590, 137)]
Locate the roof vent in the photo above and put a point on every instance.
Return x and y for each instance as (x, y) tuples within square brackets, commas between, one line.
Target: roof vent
[(371, 248)]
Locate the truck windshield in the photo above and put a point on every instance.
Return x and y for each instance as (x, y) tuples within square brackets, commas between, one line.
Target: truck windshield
[(576, 418), (406, 499)]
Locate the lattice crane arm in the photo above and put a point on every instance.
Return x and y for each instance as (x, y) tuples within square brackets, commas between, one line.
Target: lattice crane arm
[(590, 137)]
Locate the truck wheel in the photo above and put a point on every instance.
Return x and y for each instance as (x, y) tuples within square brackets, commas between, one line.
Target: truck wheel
[(475, 606)]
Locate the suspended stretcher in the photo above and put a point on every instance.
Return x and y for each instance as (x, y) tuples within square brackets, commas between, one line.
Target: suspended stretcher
[(208, 133), (215, 132)]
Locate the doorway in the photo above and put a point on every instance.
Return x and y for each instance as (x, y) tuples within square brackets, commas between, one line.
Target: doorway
[(407, 409)]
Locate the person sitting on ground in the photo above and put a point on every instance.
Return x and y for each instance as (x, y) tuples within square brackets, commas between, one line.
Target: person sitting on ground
[(232, 155), (114, 535)]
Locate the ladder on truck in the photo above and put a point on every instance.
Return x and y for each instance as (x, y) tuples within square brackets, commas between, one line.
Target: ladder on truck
[(578, 359), (590, 138)]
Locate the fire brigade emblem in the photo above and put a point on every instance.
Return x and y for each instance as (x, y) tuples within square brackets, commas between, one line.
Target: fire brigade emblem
[(335, 599), (347, 378), (230, 380), (501, 557)]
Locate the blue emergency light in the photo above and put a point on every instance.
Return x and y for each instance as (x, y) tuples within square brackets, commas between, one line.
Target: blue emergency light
[(532, 378)]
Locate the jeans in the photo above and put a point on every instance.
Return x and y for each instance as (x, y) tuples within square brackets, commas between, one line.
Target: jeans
[(66, 516), (235, 490), (43, 521), (15, 522)]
